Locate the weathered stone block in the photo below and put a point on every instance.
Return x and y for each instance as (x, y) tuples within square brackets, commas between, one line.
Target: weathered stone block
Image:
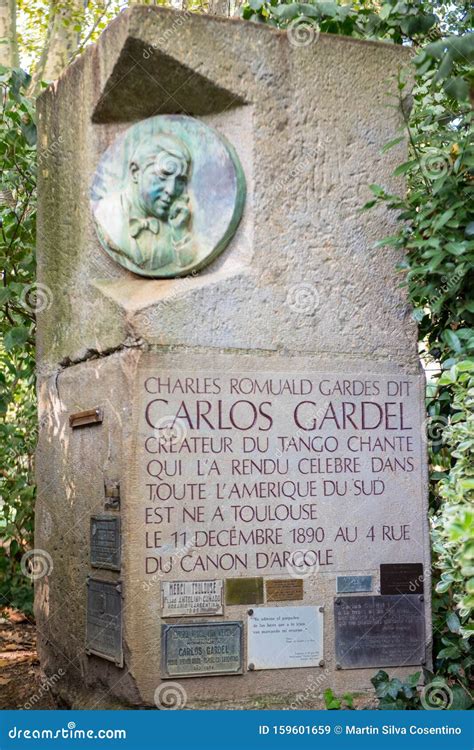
[(298, 332)]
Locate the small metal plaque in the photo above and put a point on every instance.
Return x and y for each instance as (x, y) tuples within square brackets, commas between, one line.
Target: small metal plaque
[(285, 637), (351, 584), (284, 590), (104, 620), (192, 598), (86, 418), (210, 649), (105, 542), (244, 591), (401, 578), (379, 631)]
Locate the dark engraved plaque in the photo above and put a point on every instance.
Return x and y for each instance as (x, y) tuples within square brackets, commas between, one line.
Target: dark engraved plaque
[(379, 631), (349, 584), (104, 620), (105, 542), (207, 649), (401, 578), (244, 591)]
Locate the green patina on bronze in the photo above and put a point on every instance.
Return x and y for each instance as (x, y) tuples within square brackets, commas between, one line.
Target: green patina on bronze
[(167, 196), (244, 591)]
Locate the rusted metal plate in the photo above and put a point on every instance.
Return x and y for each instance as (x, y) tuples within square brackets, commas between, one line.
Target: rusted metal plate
[(284, 590), (86, 418)]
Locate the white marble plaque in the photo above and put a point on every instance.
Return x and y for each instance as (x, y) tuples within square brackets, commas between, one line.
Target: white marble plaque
[(285, 637), (191, 598)]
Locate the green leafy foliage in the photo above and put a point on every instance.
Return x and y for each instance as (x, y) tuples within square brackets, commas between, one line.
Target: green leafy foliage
[(393, 21), (333, 703), (416, 694), (453, 526), (17, 299), (395, 695), (437, 213)]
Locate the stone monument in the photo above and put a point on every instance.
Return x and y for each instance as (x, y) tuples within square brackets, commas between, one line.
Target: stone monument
[(231, 470)]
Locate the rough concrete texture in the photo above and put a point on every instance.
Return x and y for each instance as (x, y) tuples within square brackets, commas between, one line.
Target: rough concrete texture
[(300, 288)]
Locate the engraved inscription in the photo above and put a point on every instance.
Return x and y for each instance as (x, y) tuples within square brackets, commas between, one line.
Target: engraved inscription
[(285, 637), (105, 542), (379, 631), (191, 598), (104, 620), (401, 578), (286, 590), (350, 584), (207, 649)]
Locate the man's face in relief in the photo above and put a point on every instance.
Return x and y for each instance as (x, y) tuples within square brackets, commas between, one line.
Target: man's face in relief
[(160, 182)]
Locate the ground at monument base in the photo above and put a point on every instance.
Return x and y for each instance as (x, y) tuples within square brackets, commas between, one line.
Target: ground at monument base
[(22, 681)]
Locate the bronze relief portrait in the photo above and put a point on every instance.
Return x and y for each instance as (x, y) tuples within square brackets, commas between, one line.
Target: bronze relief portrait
[(167, 196)]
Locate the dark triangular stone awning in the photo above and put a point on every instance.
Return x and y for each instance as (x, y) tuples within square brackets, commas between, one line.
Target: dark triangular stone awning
[(146, 82)]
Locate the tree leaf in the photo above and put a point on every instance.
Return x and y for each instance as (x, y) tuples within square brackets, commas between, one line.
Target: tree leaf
[(16, 337)]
